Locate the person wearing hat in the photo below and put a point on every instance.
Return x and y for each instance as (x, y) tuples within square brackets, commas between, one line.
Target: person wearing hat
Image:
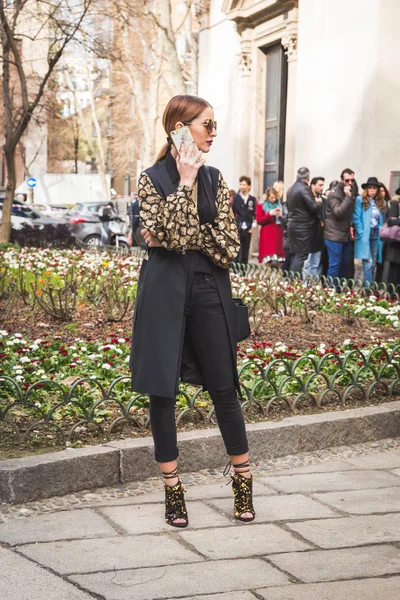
[(391, 273), (369, 216)]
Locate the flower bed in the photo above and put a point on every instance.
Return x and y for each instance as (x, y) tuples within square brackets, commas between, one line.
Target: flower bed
[(58, 381), (72, 387)]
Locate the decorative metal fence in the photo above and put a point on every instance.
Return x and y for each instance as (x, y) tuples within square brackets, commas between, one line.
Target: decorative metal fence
[(87, 403), (382, 290)]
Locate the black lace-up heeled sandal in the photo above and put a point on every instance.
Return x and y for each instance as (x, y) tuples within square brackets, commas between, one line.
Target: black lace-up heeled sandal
[(175, 507), (242, 491)]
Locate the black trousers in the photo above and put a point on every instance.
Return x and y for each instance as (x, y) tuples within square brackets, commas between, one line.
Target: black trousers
[(245, 241), (208, 334)]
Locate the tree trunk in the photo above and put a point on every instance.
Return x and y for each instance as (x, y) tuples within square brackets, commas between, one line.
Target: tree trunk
[(5, 225), (171, 54)]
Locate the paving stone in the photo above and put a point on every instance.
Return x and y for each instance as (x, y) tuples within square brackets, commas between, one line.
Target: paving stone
[(364, 502), (23, 580), (182, 580), (222, 490), (202, 491), (328, 565), (147, 518), (242, 540), (369, 589), (324, 467), (320, 482), (55, 526), (383, 460), (350, 531), (227, 596), (282, 508), (396, 472), (123, 552)]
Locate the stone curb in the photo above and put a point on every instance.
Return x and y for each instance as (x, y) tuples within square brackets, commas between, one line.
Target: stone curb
[(35, 477)]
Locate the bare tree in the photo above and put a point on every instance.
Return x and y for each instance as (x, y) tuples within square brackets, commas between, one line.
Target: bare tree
[(151, 47), (34, 35)]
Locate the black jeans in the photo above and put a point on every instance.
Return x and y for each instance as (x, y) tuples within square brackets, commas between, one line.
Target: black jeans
[(245, 241), (208, 334)]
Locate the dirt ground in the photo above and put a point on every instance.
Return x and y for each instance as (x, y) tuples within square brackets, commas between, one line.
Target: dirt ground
[(88, 323)]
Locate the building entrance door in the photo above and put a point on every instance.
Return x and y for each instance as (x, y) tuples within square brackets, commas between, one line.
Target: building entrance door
[(275, 114)]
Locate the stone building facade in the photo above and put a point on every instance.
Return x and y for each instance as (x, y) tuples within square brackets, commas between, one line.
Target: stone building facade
[(303, 82)]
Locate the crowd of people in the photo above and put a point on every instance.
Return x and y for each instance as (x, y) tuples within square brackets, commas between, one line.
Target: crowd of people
[(323, 230)]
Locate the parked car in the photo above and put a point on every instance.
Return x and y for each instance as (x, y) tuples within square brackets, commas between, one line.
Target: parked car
[(52, 210), (85, 221), (31, 227)]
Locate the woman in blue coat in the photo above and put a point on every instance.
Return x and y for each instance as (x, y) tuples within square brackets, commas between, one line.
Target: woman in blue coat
[(369, 216)]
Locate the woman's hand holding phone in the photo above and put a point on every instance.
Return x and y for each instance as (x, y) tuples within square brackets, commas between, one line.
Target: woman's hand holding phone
[(188, 162)]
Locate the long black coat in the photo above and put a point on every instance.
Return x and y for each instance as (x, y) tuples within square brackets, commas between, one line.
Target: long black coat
[(393, 248), (160, 351), (304, 227)]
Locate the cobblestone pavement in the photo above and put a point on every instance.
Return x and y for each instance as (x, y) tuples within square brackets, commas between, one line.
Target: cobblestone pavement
[(327, 528)]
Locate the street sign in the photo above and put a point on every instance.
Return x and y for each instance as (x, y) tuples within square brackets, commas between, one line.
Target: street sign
[(31, 182)]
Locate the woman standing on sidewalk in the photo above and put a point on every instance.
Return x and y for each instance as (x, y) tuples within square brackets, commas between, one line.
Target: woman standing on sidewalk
[(184, 323), (268, 215), (369, 216)]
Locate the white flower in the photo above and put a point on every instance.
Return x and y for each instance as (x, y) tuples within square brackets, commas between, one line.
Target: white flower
[(18, 335), (10, 343), (24, 359), (20, 378), (127, 359), (18, 371), (83, 349), (118, 350), (281, 368), (346, 342), (40, 372), (72, 347), (34, 347), (92, 356), (94, 376), (106, 366), (38, 341), (268, 350), (3, 333), (120, 340), (75, 355)]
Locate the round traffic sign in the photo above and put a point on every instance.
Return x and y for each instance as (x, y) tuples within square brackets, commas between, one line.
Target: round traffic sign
[(31, 182)]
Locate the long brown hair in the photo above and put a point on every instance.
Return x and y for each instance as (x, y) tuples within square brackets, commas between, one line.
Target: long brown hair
[(379, 201), (182, 108)]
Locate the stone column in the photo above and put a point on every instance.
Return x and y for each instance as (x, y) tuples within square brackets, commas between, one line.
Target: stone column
[(243, 107), (289, 43)]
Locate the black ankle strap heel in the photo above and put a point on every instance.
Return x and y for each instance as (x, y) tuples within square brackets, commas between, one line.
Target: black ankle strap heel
[(242, 491), (175, 507)]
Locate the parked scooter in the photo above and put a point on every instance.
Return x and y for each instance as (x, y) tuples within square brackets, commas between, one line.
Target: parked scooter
[(111, 228)]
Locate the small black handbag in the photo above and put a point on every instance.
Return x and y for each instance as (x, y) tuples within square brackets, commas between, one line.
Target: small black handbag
[(242, 319)]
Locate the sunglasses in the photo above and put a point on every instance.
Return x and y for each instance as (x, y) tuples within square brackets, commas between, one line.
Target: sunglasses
[(349, 180), (210, 125)]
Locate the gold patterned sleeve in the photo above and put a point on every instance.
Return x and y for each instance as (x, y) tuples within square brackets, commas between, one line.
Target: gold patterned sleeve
[(174, 222), (220, 239)]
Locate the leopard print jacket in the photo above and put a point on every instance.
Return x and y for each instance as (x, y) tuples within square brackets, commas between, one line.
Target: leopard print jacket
[(175, 223)]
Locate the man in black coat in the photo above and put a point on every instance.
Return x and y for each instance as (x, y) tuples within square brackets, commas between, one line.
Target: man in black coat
[(304, 227), (339, 216), (244, 207)]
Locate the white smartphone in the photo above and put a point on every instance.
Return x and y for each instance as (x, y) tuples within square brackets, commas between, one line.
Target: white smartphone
[(182, 135)]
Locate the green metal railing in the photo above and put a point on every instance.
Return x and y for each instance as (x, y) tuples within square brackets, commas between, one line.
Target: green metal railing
[(320, 380)]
